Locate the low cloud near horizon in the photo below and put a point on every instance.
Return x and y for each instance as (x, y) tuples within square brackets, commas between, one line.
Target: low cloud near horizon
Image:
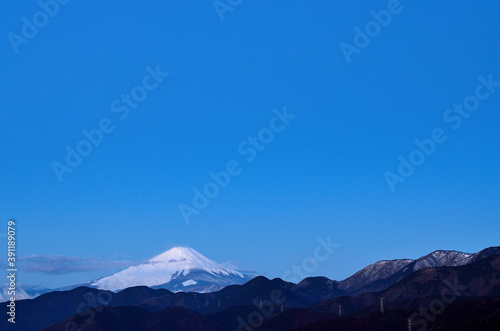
[(59, 265)]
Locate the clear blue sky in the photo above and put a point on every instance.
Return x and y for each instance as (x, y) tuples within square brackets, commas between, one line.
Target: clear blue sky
[(322, 175)]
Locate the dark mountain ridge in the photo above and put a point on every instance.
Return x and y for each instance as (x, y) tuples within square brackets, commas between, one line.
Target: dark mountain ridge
[(312, 300)]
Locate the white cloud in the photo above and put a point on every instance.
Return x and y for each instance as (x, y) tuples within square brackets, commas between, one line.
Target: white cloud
[(58, 265)]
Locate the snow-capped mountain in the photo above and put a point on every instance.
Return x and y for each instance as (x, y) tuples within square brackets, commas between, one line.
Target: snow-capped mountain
[(178, 269), (443, 259), (379, 270), (381, 274)]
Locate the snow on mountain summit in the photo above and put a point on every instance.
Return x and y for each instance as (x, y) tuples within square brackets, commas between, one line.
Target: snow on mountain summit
[(377, 274), (182, 266), (443, 258), (379, 270), (190, 259), (181, 254)]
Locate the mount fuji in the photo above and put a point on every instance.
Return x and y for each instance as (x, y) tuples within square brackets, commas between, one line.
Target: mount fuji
[(178, 269)]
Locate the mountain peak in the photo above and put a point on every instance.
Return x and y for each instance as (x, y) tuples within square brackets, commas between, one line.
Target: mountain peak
[(179, 268), (442, 258), (181, 254)]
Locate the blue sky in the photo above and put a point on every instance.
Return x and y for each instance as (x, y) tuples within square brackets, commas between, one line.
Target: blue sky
[(322, 175)]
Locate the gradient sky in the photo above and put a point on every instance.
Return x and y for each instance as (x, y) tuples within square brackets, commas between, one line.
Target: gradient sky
[(323, 175)]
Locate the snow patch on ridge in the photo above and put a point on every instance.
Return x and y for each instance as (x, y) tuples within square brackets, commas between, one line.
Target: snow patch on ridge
[(443, 258), (189, 282)]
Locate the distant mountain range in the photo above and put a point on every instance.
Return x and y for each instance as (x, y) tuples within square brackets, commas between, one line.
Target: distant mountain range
[(382, 274), (445, 289), (178, 269), (185, 269)]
